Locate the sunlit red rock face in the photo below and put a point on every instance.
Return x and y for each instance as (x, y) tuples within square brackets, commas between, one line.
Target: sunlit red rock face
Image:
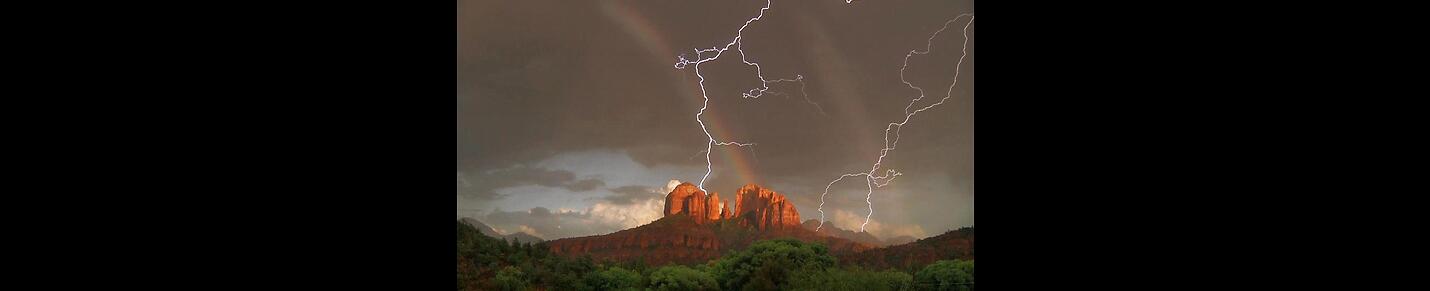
[(712, 207), (754, 206), (692, 230), (687, 199), (675, 201), (765, 209)]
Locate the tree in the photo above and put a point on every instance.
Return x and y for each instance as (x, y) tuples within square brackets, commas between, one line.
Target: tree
[(510, 278), (768, 264), (850, 279), (565, 274), (466, 274), (486, 263), (946, 275), (614, 278), (681, 278)]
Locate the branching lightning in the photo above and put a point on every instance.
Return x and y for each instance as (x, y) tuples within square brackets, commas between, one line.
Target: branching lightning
[(738, 44), (894, 129), (873, 179), (799, 79)]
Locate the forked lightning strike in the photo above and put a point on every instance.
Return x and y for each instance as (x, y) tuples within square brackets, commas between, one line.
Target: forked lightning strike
[(738, 44), (871, 180)]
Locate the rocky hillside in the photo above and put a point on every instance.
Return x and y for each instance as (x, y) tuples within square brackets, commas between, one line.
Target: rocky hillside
[(957, 244), (698, 227), (492, 232), (830, 230)]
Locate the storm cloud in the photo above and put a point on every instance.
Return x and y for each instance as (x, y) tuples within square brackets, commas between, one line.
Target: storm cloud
[(571, 116), (482, 185), (632, 194)]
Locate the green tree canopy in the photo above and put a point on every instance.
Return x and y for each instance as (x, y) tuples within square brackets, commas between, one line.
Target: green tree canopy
[(486, 263), (614, 278), (681, 278), (946, 275), (510, 278), (768, 264), (853, 279)]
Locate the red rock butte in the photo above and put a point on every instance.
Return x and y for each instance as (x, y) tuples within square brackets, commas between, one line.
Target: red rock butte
[(698, 227), (754, 206)]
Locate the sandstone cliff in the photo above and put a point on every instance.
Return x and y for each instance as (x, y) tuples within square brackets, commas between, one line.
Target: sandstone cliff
[(712, 207), (688, 200), (699, 227), (765, 209), (754, 206)]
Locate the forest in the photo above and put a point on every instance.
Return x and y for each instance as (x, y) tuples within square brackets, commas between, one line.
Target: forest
[(486, 263)]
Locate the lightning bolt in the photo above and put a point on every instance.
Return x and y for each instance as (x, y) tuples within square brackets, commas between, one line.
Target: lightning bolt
[(798, 79), (738, 44), (895, 128)]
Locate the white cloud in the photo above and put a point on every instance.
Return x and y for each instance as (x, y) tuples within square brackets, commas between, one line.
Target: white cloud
[(628, 216), (601, 218), (670, 186), (851, 221), (528, 230), (635, 214)]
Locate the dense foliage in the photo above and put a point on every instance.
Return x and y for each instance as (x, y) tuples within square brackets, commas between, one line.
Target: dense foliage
[(615, 278), (955, 244), (851, 279), (486, 263), (766, 265), (947, 275), (678, 277)]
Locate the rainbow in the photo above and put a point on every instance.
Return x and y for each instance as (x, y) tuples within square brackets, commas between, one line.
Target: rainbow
[(639, 27), (743, 167), (649, 36)]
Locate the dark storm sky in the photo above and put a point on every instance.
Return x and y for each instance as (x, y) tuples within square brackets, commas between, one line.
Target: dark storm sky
[(571, 119)]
